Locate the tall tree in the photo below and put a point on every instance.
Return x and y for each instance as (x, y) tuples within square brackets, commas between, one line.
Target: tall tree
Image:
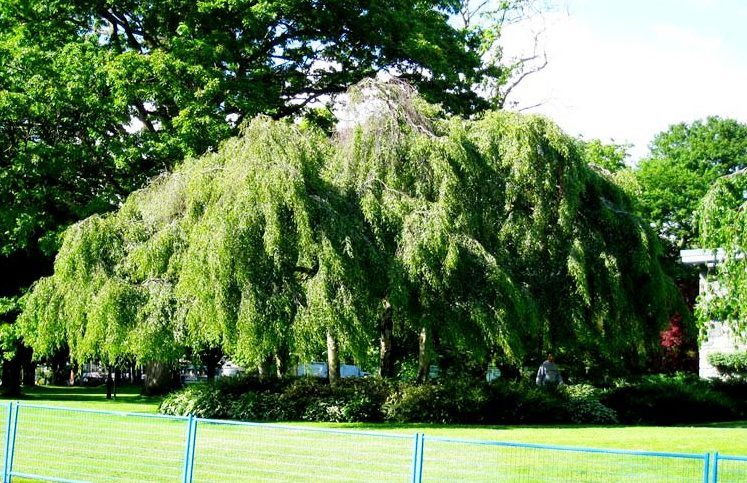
[(97, 98), (685, 161), (491, 236)]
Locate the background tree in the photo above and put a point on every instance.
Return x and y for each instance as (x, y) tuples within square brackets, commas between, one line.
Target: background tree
[(685, 161)]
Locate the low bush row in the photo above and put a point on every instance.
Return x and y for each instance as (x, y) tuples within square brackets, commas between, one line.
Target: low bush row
[(729, 363), (652, 400)]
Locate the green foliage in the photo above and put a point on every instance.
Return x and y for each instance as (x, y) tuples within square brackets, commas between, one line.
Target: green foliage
[(492, 236), (663, 400), (461, 400), (201, 400), (584, 406), (610, 157), (97, 98), (685, 161), (294, 400), (722, 221), (445, 403), (655, 400), (729, 363)]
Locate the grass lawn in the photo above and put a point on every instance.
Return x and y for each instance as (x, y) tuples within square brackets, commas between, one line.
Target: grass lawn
[(128, 398), (93, 447), (726, 438)]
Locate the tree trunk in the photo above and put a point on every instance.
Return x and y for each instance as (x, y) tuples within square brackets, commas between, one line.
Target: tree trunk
[(333, 359), (211, 358), (264, 369), (134, 372), (424, 359), (60, 368), (12, 377), (28, 366), (281, 363), (159, 378), (211, 367), (386, 361), (109, 383)]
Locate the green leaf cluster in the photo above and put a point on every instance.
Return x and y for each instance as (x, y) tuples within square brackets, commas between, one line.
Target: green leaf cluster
[(685, 161), (723, 227), (733, 363)]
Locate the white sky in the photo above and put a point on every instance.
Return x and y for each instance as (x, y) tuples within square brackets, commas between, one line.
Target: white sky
[(624, 70)]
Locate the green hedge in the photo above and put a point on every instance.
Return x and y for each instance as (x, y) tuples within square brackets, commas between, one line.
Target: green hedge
[(461, 401), (667, 400), (733, 364), (656, 400)]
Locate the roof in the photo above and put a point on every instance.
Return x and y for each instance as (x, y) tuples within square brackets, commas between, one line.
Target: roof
[(702, 256)]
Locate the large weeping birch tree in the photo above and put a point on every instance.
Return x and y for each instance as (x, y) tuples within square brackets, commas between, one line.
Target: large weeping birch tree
[(489, 236)]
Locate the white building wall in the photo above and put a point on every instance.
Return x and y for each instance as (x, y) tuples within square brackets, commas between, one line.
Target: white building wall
[(718, 336), (720, 339)]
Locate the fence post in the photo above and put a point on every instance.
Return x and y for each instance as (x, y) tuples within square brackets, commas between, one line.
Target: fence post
[(6, 452), (10, 441), (189, 450), (714, 475), (420, 457), (417, 458)]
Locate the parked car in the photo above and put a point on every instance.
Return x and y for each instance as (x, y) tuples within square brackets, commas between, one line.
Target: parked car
[(319, 369), (92, 378), (229, 369)]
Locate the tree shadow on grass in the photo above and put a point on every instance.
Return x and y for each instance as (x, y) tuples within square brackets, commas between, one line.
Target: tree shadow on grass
[(126, 393)]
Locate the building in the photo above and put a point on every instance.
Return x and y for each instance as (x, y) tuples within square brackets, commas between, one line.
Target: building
[(718, 336)]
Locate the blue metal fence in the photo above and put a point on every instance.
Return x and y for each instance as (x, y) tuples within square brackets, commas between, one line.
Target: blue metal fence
[(44, 443)]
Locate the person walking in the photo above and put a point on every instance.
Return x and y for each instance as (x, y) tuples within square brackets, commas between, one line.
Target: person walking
[(548, 373)]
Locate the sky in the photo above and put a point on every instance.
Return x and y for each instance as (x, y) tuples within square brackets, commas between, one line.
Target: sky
[(624, 70)]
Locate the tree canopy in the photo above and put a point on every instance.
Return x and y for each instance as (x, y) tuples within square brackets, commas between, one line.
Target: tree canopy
[(96, 98), (722, 225), (685, 161), (491, 236)]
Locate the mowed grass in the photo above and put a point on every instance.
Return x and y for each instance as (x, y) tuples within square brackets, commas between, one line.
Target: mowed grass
[(128, 398), (83, 445)]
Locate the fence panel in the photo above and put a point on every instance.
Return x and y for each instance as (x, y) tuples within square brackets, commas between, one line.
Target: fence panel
[(68, 445), (481, 461), (232, 452), (729, 469), (57, 444)]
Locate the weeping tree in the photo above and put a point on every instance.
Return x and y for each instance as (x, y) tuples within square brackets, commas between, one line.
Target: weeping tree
[(249, 250), (499, 238), (491, 237), (722, 225)]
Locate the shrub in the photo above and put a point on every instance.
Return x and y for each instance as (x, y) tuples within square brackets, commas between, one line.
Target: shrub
[(651, 400), (201, 400), (735, 390), (583, 405), (730, 364), (667, 400), (427, 403), (524, 403)]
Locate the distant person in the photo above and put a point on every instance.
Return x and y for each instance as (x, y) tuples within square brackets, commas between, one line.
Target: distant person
[(548, 373)]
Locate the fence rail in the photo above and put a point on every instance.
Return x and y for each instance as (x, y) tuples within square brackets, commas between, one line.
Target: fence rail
[(74, 446)]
